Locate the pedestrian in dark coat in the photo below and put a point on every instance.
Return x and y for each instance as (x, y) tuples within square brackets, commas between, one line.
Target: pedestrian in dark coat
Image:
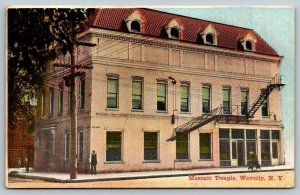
[(94, 163), (253, 161), (27, 165)]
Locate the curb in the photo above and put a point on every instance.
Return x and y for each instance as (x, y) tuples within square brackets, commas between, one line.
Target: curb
[(50, 179)]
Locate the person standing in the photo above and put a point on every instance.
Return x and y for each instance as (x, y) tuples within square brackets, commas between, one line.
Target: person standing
[(93, 163), (27, 165)]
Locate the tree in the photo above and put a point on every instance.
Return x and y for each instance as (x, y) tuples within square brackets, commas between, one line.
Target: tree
[(33, 37)]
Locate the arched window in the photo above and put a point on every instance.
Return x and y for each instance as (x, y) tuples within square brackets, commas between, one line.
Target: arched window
[(248, 45), (174, 33), (210, 39), (135, 27)]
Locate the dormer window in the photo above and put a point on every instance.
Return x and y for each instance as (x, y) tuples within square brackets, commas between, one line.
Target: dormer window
[(248, 45), (135, 22), (248, 42), (209, 35), (135, 27), (174, 33), (209, 39), (174, 29)]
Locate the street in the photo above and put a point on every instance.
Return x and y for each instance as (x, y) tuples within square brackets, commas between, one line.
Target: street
[(276, 179)]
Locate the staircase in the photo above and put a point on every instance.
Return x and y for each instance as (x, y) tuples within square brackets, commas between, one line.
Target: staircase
[(196, 122), (265, 92), (216, 113)]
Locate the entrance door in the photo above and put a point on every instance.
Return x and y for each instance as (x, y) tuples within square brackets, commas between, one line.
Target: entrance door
[(238, 158), (240, 150)]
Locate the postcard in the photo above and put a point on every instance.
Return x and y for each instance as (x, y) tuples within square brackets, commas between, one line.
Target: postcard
[(150, 97)]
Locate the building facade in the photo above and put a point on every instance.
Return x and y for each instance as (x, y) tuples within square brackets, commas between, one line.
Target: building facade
[(155, 75)]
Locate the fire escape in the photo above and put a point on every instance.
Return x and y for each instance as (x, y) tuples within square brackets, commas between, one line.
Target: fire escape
[(234, 115)]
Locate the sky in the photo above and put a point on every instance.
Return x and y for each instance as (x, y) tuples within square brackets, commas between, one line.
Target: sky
[(276, 25)]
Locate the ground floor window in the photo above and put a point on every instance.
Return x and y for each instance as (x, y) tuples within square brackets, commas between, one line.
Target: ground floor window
[(182, 145), (80, 146), (150, 145), (205, 145), (113, 146), (67, 146)]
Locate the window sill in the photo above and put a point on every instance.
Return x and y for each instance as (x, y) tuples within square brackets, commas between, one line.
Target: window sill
[(205, 159), (112, 109), (151, 161), (265, 117), (81, 110), (184, 112), (60, 114), (113, 162), (162, 111), (137, 110), (182, 160)]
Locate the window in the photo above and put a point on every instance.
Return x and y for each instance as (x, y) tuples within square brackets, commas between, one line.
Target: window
[(205, 100), (81, 94), (135, 27), (182, 145), (244, 102), (61, 98), (184, 99), (237, 134), (162, 96), (113, 146), (137, 93), (80, 146), (51, 98), (174, 33), (112, 92), (150, 146), (210, 39), (226, 101), (275, 141), (264, 108), (205, 145), (224, 147), (265, 147), (67, 146), (250, 143), (43, 104), (248, 45)]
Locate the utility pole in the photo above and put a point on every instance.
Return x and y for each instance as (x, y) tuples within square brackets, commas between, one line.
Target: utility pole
[(70, 82)]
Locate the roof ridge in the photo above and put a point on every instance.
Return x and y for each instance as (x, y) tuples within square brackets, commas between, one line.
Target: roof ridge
[(195, 18)]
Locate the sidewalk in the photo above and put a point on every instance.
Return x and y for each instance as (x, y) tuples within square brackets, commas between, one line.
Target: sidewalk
[(65, 177)]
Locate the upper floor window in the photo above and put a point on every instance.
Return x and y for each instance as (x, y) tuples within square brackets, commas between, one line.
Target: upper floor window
[(134, 22), (248, 42), (61, 98), (112, 91), (135, 26), (43, 104), (51, 98), (137, 93), (184, 98), (249, 45), (265, 108), (244, 101), (174, 29), (209, 39), (162, 96), (81, 94), (226, 100), (174, 33), (209, 35), (206, 100)]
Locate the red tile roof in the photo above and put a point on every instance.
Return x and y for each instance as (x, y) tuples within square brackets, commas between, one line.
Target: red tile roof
[(227, 35)]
